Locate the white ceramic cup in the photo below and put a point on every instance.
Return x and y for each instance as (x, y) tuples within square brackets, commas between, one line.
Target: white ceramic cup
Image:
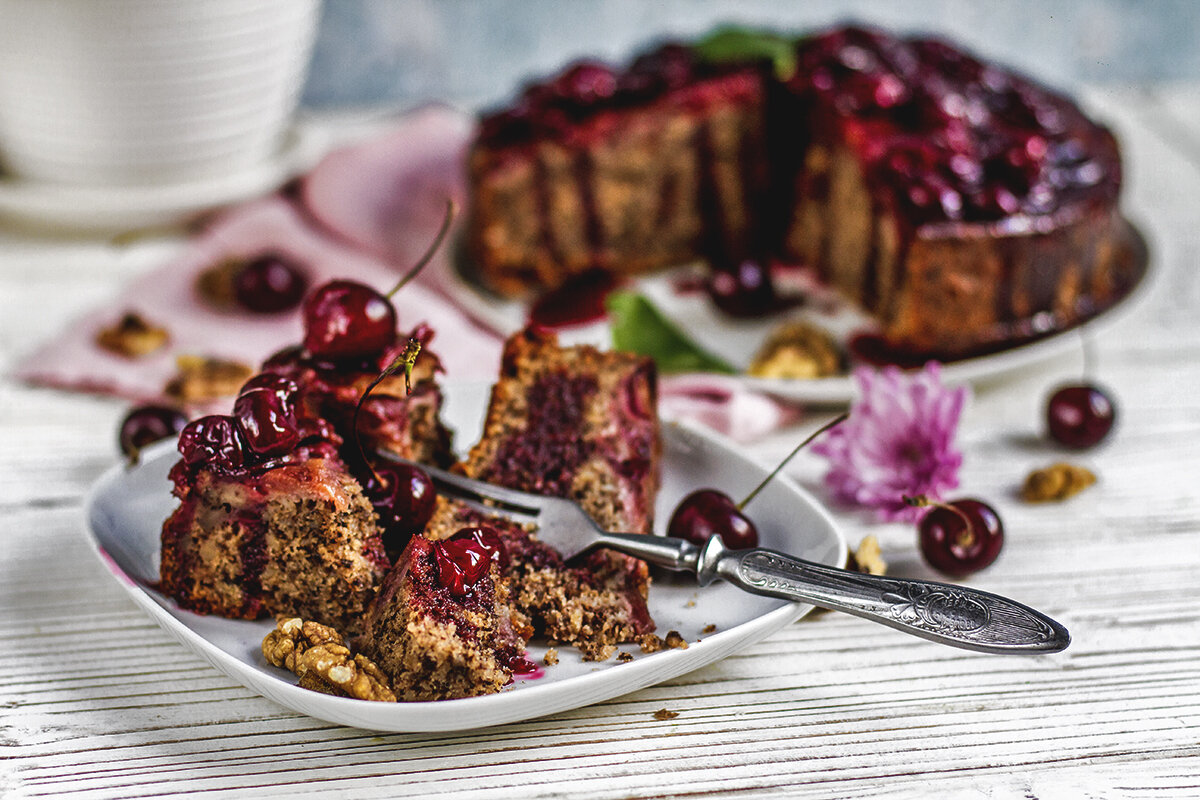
[(148, 92)]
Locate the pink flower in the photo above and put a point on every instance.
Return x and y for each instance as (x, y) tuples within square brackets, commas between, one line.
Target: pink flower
[(898, 440)]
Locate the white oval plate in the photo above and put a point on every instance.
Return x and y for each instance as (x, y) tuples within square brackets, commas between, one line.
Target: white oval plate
[(126, 509)]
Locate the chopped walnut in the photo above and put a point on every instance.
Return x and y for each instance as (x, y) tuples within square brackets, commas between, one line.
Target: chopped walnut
[(675, 641), (663, 714), (1056, 482), (650, 643), (200, 379), (216, 284), (867, 558), (133, 336), (551, 657), (797, 350), (316, 654), (709, 628)]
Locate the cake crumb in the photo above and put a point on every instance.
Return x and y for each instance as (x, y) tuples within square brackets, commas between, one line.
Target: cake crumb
[(650, 643), (551, 657), (200, 379), (1056, 482), (709, 628), (133, 336), (690, 604), (675, 641), (624, 657), (663, 714)]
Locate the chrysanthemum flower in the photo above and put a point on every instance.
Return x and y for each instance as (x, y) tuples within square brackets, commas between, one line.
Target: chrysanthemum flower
[(898, 440)]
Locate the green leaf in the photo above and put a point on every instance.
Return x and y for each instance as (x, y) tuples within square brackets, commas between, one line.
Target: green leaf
[(639, 327), (744, 44)]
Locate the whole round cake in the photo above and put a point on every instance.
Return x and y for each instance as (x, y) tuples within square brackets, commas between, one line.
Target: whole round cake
[(962, 205)]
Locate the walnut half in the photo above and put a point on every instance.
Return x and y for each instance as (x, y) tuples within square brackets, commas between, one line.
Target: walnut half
[(316, 654)]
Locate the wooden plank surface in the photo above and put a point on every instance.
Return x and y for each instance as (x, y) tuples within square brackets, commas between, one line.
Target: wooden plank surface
[(95, 701)]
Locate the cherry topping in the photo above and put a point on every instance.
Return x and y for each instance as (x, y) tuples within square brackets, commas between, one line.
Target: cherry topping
[(1080, 415), (214, 441), (743, 290), (345, 320), (464, 558), (961, 537), (144, 425), (269, 283), (404, 497), (708, 512), (266, 414)]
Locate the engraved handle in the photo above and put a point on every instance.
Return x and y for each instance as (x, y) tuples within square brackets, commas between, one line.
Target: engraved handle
[(953, 615)]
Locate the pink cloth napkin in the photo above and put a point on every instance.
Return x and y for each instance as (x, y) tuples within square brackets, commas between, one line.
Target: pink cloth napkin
[(365, 212)]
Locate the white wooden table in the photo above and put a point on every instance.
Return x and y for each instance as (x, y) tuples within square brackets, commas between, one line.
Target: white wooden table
[(96, 701)]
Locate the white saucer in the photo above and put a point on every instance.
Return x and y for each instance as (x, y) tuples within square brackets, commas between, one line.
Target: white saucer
[(111, 209)]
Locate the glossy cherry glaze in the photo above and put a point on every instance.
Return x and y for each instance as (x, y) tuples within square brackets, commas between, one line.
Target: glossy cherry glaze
[(215, 442), (743, 290), (403, 497), (577, 302), (345, 320), (269, 284), (706, 513), (463, 559), (960, 537), (1080, 416), (144, 425)]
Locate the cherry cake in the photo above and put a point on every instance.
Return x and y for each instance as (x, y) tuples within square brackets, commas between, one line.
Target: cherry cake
[(273, 518), (962, 205)]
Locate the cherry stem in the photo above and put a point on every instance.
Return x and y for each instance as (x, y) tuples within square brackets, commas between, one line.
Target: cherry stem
[(405, 360), (921, 501), (447, 218), (1089, 354), (838, 420)]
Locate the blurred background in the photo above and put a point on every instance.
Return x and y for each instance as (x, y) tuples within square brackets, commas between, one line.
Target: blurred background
[(475, 52)]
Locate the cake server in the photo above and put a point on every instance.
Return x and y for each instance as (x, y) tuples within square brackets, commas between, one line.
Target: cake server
[(944, 613)]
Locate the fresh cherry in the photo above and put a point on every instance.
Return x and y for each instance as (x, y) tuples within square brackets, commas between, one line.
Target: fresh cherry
[(708, 512), (742, 290), (960, 537), (214, 441), (269, 283), (1080, 415), (266, 414), (404, 497), (144, 425), (347, 320), (463, 559)]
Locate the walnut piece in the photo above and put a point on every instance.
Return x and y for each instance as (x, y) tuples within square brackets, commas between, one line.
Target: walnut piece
[(216, 284), (1056, 482), (675, 641), (316, 654), (797, 350), (867, 558), (133, 336), (664, 714), (200, 379)]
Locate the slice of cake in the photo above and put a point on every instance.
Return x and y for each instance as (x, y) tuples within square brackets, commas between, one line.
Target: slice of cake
[(441, 626), (273, 518)]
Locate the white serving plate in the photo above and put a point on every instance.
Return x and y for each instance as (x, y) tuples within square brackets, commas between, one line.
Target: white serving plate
[(736, 341), (127, 506)]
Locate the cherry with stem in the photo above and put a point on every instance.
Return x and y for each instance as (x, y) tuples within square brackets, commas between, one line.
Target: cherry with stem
[(1080, 415), (710, 512), (958, 537)]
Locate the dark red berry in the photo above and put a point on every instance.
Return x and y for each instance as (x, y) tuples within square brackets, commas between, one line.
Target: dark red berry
[(145, 425), (464, 558), (264, 409), (744, 290), (961, 537), (707, 512), (346, 320), (404, 497), (269, 284), (1080, 415), (213, 441)]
